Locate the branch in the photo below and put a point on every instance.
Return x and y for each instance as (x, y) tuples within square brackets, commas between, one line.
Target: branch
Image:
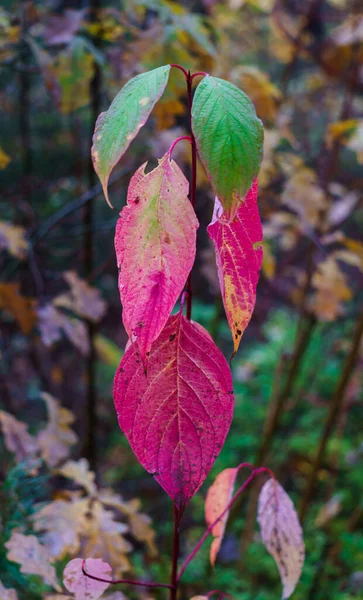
[(129, 581)]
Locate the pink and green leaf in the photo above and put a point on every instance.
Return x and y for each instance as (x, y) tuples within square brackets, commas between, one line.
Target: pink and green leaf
[(119, 125), (238, 261), (155, 245), (229, 139), (177, 415)]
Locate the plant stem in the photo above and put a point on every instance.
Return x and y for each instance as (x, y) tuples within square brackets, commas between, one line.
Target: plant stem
[(175, 142), (175, 555), (193, 185), (208, 531), (336, 406), (129, 581)]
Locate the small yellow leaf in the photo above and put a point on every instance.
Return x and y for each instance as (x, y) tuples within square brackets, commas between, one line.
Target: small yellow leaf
[(57, 437), (13, 239), (4, 159), (80, 473)]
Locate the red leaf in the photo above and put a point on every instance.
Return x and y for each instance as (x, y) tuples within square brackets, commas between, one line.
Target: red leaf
[(155, 247), (218, 496), (238, 262), (177, 415)]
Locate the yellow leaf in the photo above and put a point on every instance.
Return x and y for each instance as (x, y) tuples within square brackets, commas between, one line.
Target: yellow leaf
[(61, 524), (331, 290), (268, 262), (84, 300), (341, 130), (80, 473), (263, 93), (20, 307), (57, 437), (103, 537), (4, 159), (303, 194), (32, 557), (17, 438), (13, 239)]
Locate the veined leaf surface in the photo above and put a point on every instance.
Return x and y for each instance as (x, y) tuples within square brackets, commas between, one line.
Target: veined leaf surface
[(155, 248), (281, 533), (177, 415), (218, 496), (238, 262), (83, 587), (119, 125), (229, 139)]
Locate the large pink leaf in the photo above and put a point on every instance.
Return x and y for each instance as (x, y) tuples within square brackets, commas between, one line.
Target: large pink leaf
[(155, 247), (176, 415), (218, 497), (281, 533), (238, 262)]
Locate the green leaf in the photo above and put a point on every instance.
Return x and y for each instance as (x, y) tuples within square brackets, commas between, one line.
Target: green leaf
[(229, 139), (118, 126)]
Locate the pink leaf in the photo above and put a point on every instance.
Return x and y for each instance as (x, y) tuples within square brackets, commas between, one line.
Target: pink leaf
[(83, 587), (155, 247), (281, 533), (238, 262), (218, 496), (177, 415)]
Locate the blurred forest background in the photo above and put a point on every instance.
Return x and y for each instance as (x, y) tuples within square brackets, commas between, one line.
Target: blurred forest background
[(69, 481)]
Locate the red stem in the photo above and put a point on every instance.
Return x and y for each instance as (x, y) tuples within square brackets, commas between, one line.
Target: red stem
[(175, 555), (197, 74), (186, 74), (175, 142), (209, 530), (193, 185), (116, 581)]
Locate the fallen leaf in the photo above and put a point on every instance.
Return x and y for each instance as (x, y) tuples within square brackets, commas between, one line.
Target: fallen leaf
[(32, 557), (4, 159), (79, 472), (7, 594), (20, 307), (281, 533), (13, 238), (84, 300), (329, 510), (61, 524), (57, 437), (82, 586), (52, 323), (17, 438), (61, 29), (332, 290), (218, 496), (103, 536)]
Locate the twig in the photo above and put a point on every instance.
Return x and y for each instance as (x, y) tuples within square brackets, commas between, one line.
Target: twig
[(337, 403), (128, 581)]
